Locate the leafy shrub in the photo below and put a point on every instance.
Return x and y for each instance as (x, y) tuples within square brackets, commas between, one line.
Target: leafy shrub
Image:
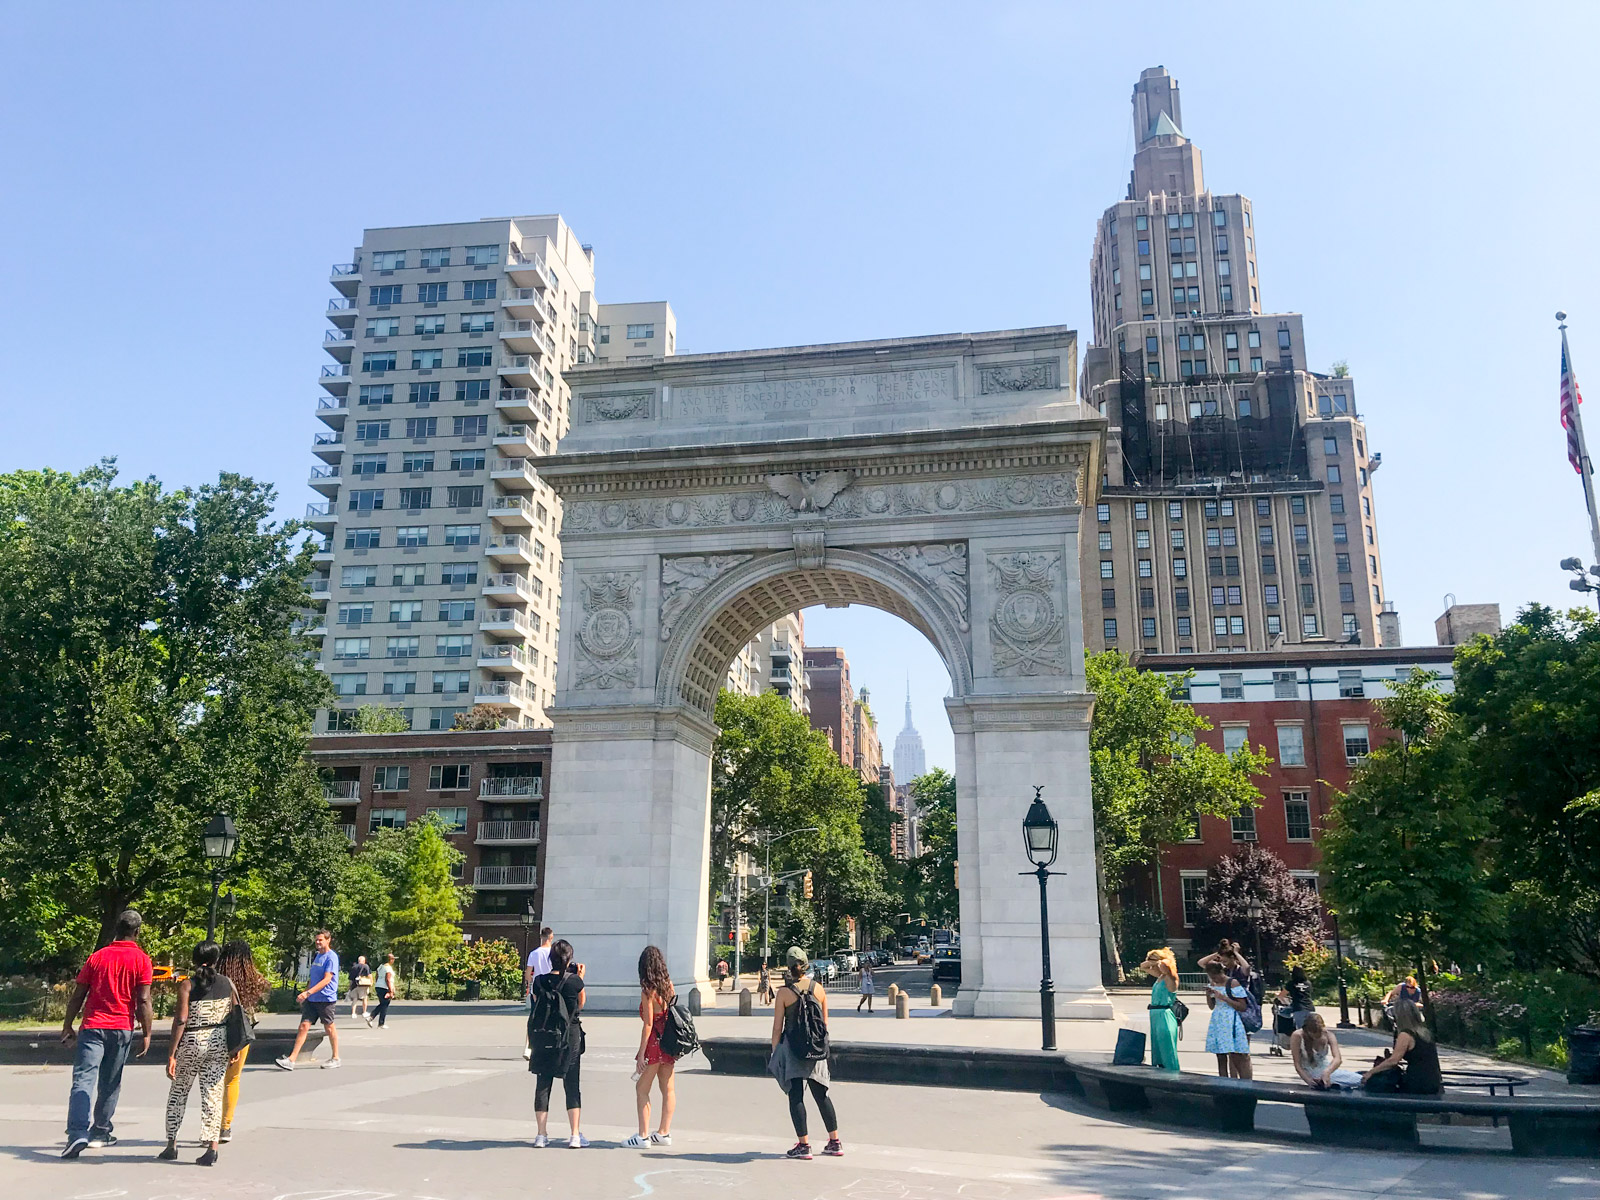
[(495, 965), (1553, 1054)]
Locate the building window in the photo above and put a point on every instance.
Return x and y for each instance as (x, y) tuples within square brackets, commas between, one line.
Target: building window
[(1274, 624), (1219, 626), (426, 360), (1303, 564), (1284, 341), (1236, 625), (462, 536), (1347, 593), (1302, 535), (349, 685), (1308, 595), (1342, 562), (1336, 504), (383, 296), (1217, 594), (1291, 746), (355, 614), (459, 573), (466, 460), (1105, 540), (1244, 825), (1234, 594), (473, 426), (399, 683), (1102, 513), (478, 289), (362, 539), (1232, 685), (1177, 538), (1183, 627), (1145, 568), (1147, 597), (1180, 597), (1235, 737), (1297, 816), (411, 535), (1230, 535), (1351, 686), (341, 720), (472, 389), (477, 322), (451, 682), (483, 256), (403, 611), (1107, 570), (1148, 626), (464, 497), (1213, 537), (1308, 624), (1350, 626), (1264, 534), (403, 647), (415, 499), (1194, 896), (474, 356), (1269, 595), (352, 647), (416, 462), (1141, 539), (372, 431), (391, 779), (433, 293), (457, 611), (449, 777), (1108, 597), (375, 393), (1144, 246), (1255, 363), (1333, 473), (383, 327), (421, 427), (1285, 685), (1357, 743), (1180, 568), (358, 576), (1109, 628), (386, 818)]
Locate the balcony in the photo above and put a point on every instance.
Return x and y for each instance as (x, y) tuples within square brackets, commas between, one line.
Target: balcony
[(505, 877), (509, 547), (507, 833), (342, 311), (349, 832), (508, 585), (318, 585), (522, 404), (527, 302), (325, 479), (511, 787), (512, 510), (528, 270), (525, 337), (519, 370), (516, 439), (329, 447), (346, 278), (322, 552), (322, 515), (342, 791), (332, 410), (335, 378), (502, 693), (340, 343), (506, 622), (517, 474), (507, 656)]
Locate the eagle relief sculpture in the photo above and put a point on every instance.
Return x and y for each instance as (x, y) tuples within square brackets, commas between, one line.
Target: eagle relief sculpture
[(810, 491)]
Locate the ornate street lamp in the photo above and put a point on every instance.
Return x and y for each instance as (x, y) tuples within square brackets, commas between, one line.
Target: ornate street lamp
[(1338, 958), (1255, 912), (1041, 837), (529, 921), (217, 845)]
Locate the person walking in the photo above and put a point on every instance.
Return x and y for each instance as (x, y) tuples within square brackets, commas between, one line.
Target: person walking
[(385, 988), (722, 973), (113, 991), (538, 964), (1226, 1036), (555, 1035), (764, 984), (199, 1050), (360, 986), (868, 990), (800, 1015), (652, 1064), (1301, 1002), (238, 963), (317, 1001), (1162, 965)]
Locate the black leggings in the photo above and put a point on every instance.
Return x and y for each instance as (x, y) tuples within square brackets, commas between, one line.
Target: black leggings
[(384, 996), (797, 1105), (569, 1089)]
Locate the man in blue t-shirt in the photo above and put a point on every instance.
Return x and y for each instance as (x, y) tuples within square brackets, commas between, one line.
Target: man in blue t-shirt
[(316, 1002)]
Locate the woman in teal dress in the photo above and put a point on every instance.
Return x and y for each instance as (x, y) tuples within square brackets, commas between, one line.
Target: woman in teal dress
[(1163, 965)]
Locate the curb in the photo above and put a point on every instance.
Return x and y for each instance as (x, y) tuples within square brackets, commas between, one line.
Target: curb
[(43, 1047)]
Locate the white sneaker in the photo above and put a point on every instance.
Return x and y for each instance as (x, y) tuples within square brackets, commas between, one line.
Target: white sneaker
[(638, 1141), (284, 1063), (331, 1065), (577, 1142), (661, 1139), (527, 1053), (540, 1142)]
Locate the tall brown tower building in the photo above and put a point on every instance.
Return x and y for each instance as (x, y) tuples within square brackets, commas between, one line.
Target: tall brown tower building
[(1237, 510)]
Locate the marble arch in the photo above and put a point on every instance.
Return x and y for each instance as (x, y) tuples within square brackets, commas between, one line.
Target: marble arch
[(940, 479)]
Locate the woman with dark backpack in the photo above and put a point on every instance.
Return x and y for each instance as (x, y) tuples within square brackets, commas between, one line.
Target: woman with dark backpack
[(800, 1052), (555, 1041), (652, 1064)]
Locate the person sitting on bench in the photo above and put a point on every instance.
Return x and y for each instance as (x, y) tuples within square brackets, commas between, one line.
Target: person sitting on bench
[(1317, 1058), (1412, 1066)]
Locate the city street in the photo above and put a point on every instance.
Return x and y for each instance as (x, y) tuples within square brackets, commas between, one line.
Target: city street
[(440, 1106)]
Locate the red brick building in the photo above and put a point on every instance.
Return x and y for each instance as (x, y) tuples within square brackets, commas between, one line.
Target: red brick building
[(832, 699), (489, 789), (1311, 710)]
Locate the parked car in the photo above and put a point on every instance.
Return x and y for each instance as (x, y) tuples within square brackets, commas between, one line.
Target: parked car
[(824, 970), (924, 956), (848, 960), (947, 962)]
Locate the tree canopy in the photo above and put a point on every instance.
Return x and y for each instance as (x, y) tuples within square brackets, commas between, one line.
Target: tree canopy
[(1291, 913)]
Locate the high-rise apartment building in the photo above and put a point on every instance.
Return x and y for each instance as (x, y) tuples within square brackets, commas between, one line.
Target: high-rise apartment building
[(1237, 509), (868, 746), (832, 699), (440, 564)]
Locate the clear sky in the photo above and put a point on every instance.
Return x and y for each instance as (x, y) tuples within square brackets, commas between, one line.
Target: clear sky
[(176, 180)]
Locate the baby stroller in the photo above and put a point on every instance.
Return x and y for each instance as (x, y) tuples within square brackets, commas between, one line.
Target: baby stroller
[(1282, 1028)]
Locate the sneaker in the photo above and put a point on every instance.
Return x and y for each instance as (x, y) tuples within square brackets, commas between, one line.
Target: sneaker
[(800, 1151), (638, 1141), (225, 1136), (331, 1065), (577, 1142), (283, 1062), (368, 1021), (99, 1141), (540, 1142), (527, 1053), (834, 1148), (75, 1147), (661, 1139), (169, 1152)]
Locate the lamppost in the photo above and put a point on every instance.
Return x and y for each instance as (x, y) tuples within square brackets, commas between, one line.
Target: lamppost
[(1255, 913), (766, 881), (529, 921), (1338, 958), (1040, 835), (217, 845)]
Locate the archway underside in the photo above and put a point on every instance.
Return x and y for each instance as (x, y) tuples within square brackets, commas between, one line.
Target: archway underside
[(762, 604)]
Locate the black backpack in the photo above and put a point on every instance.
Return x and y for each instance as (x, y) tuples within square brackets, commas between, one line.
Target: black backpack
[(807, 1033), (550, 1027), (678, 1034)]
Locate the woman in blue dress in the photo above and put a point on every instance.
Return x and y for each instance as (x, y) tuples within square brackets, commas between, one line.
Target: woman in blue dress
[(1226, 1036), (1163, 965)]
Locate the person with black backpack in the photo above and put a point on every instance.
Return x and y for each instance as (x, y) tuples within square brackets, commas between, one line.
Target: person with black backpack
[(654, 1062), (555, 1040), (800, 1052)]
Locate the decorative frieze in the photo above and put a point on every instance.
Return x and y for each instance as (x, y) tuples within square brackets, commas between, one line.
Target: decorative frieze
[(618, 406), (1039, 376)]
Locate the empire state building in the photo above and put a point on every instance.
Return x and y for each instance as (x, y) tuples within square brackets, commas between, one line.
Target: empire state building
[(909, 758)]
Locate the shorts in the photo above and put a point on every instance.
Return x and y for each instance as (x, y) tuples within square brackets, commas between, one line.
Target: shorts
[(317, 1011), (358, 991)]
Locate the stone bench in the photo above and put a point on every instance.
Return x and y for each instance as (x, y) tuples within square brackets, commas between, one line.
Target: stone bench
[(1543, 1126)]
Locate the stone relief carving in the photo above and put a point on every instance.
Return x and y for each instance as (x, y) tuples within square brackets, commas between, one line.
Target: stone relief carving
[(1049, 490), (810, 548), (1018, 377), (810, 491), (943, 567), (624, 406), (685, 577), (1025, 627), (608, 639)]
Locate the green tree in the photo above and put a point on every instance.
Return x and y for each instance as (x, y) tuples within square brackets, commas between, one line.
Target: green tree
[(478, 719), (1150, 776), (425, 922), (375, 718), (933, 894), (151, 675), (1291, 913), (1405, 846)]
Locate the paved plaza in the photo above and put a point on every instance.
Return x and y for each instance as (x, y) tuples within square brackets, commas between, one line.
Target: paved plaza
[(439, 1107)]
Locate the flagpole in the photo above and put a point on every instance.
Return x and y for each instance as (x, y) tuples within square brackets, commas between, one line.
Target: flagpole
[(1585, 463)]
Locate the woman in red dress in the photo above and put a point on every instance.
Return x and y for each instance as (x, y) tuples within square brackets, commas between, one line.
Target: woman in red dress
[(651, 1063)]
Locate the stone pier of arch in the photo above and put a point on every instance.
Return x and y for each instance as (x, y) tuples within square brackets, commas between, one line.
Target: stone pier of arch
[(941, 479)]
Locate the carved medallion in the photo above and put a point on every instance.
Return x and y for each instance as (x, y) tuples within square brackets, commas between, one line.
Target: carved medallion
[(608, 641), (1025, 628)]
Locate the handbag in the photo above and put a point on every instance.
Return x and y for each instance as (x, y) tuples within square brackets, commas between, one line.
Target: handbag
[(1180, 1010), (241, 1029)]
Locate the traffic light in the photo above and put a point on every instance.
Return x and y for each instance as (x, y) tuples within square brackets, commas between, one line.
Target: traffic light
[(806, 886)]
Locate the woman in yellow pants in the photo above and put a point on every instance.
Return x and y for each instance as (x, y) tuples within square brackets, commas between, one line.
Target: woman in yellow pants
[(239, 965)]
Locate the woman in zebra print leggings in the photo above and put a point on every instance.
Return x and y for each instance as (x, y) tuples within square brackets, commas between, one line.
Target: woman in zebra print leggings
[(199, 1050)]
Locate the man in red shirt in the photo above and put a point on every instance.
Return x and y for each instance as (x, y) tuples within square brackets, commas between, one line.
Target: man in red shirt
[(113, 988)]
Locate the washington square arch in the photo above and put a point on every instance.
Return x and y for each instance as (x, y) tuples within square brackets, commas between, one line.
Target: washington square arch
[(940, 479)]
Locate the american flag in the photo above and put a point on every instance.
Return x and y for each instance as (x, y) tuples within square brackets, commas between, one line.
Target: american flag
[(1570, 399)]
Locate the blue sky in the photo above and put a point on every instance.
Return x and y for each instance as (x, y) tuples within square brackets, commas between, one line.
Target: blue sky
[(178, 178)]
